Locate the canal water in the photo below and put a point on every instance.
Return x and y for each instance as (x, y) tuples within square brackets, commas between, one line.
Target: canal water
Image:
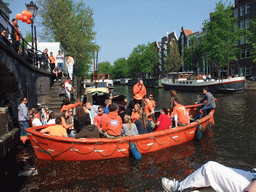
[(230, 142)]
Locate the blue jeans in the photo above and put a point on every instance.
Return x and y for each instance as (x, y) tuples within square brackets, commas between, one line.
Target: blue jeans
[(23, 126), (205, 110), (60, 66)]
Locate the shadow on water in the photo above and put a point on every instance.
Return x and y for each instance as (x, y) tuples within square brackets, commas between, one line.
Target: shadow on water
[(231, 142)]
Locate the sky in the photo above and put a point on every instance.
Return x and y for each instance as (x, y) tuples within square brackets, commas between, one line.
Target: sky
[(121, 25)]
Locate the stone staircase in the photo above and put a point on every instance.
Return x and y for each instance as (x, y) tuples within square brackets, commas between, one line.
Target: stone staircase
[(52, 100)]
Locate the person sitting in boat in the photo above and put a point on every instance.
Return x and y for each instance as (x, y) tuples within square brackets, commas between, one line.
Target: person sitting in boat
[(107, 103), (164, 121), (88, 106), (98, 119), (129, 128), (66, 121), (81, 119), (112, 125), (206, 107), (35, 121), (56, 130), (139, 90), (131, 106), (122, 110), (142, 124), (88, 131), (181, 117), (51, 119), (151, 99), (136, 112), (217, 176), (148, 108)]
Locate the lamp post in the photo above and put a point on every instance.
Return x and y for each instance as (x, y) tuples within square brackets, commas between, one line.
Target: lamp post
[(33, 9)]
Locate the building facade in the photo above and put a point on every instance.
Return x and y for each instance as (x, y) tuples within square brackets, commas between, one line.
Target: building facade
[(4, 16), (245, 11)]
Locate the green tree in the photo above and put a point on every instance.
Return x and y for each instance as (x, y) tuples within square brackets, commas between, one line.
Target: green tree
[(221, 34), (142, 60), (193, 54), (28, 38), (71, 24), (105, 67), (251, 36), (173, 60), (119, 69)]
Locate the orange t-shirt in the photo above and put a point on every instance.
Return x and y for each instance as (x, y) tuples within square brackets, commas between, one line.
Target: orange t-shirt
[(98, 120), (135, 116), (52, 59), (153, 103), (148, 109), (182, 114), (57, 130)]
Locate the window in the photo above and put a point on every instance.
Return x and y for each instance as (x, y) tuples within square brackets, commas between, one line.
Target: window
[(247, 53), (242, 54), (236, 12), (247, 23), (246, 71), (242, 40), (242, 26), (242, 10), (247, 8)]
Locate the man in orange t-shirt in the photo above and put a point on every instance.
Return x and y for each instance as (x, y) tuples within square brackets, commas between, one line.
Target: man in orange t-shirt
[(56, 130), (180, 114), (99, 119), (148, 108), (139, 90)]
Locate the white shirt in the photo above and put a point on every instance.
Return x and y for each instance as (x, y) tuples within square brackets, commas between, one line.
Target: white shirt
[(51, 121), (59, 58), (69, 86), (71, 63), (36, 122)]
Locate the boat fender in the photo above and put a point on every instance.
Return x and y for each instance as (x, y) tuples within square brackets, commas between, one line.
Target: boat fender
[(199, 132), (135, 151)]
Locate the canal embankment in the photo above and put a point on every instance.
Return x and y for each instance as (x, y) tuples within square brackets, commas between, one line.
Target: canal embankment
[(250, 85)]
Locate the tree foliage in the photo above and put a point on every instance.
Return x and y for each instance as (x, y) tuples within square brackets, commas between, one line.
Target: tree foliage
[(142, 60), (105, 67), (251, 36), (120, 68), (193, 54), (221, 34), (173, 60), (71, 24)]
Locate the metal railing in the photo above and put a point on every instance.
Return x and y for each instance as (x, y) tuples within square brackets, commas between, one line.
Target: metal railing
[(24, 49)]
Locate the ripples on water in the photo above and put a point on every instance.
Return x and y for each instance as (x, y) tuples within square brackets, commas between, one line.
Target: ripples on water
[(231, 142)]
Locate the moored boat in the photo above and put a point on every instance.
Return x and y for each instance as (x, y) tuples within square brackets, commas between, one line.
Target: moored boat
[(181, 81), (50, 147)]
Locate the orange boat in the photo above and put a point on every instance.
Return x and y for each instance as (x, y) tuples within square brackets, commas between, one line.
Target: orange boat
[(50, 147)]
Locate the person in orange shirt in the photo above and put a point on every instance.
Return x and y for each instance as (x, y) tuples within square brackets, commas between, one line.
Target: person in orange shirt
[(181, 117), (52, 61), (139, 90), (56, 130), (136, 112), (151, 99), (148, 108), (99, 119), (112, 125), (16, 34)]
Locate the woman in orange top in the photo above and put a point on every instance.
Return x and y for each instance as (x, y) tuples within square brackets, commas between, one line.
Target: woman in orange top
[(136, 112), (52, 61)]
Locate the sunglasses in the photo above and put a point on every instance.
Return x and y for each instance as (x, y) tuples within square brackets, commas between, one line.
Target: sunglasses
[(70, 111)]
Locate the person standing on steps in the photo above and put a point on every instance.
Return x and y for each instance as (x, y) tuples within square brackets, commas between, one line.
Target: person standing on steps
[(60, 62)]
